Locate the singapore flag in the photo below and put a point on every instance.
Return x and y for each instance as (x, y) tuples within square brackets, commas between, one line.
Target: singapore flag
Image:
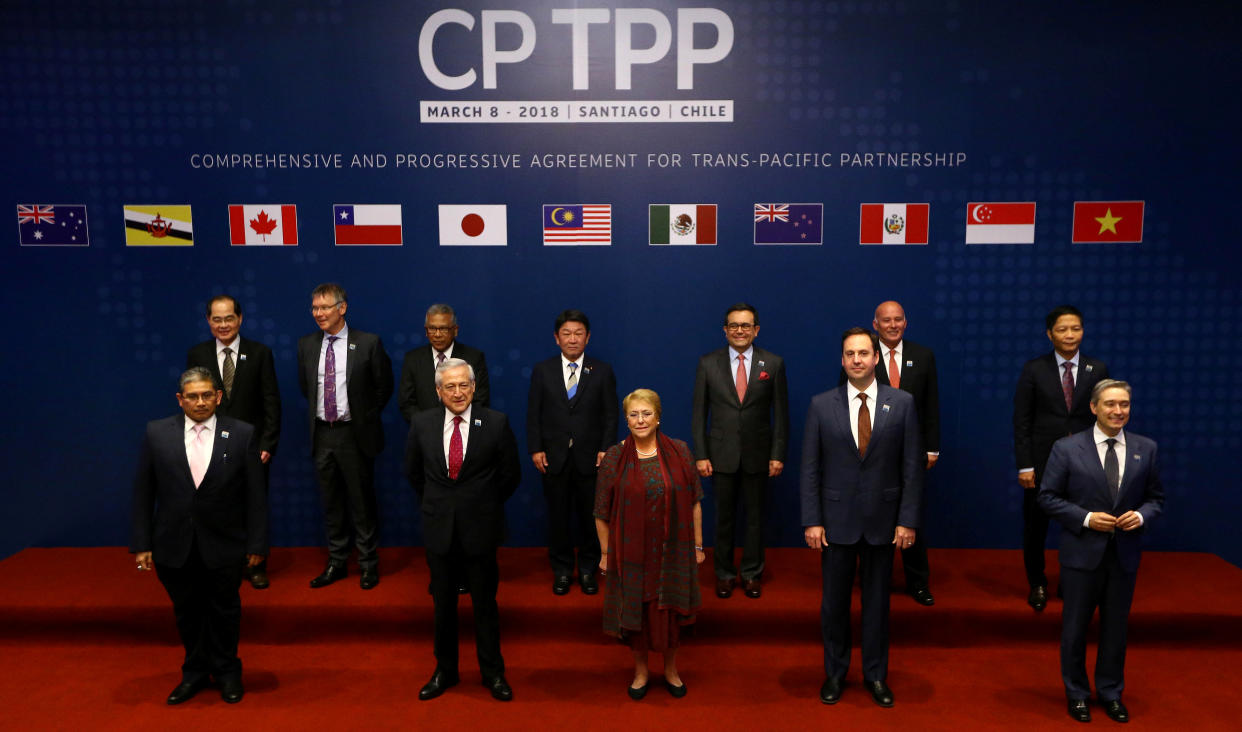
[(1000, 223)]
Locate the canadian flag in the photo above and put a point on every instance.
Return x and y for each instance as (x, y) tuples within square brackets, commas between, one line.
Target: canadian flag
[(272, 224), (893, 223)]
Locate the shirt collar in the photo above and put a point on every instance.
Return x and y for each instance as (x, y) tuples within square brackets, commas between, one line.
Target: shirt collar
[(749, 353), (343, 334), (1100, 436), (870, 391), (565, 362), (465, 416), (1062, 361), (210, 424), (221, 345), (884, 349), (448, 352)]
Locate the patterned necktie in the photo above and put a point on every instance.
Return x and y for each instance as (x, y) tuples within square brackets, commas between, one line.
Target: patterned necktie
[(1067, 386), (227, 371), (739, 380), (1112, 471), (894, 375), (457, 453), (571, 388), (439, 359), (864, 426), (198, 455), (329, 381)]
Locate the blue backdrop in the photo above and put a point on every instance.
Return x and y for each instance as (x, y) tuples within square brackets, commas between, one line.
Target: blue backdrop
[(107, 104)]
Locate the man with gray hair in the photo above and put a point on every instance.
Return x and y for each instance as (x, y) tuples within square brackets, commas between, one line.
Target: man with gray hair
[(418, 387), (462, 461), (1103, 486)]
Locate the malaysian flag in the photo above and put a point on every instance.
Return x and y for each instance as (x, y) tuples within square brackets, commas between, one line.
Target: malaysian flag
[(575, 224), (52, 225)]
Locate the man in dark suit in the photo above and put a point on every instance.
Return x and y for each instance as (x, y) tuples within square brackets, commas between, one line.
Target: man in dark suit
[(346, 377), (463, 463), (910, 367), (1103, 486), (199, 517), (740, 428), (861, 488), (247, 371), (571, 419), (418, 373), (1052, 401)]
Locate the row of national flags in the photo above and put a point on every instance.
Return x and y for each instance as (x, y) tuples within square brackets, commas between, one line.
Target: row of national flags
[(582, 224)]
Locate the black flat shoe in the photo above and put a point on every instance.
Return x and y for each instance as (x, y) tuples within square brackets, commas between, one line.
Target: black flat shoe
[(640, 692), (331, 574), (676, 692), (440, 682), (880, 692), (830, 692), (1079, 711), (186, 690), (1116, 711)]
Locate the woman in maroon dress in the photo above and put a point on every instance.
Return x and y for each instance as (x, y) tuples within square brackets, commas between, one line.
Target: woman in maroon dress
[(650, 529)]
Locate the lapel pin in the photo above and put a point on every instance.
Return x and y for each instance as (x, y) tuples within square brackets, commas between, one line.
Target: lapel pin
[(883, 407), (241, 357), (1089, 369), (909, 364), (1137, 456), (761, 363), (478, 423), (352, 346), (586, 370), (224, 435)]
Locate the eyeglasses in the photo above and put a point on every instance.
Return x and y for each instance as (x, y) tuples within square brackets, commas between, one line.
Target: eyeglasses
[(744, 327), (439, 328), (317, 309), (207, 396)]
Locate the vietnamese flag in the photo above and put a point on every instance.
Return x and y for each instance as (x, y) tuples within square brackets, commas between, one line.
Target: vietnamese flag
[(1108, 221)]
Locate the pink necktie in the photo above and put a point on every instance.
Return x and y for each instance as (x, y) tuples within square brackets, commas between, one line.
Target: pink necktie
[(198, 455), (1067, 386), (894, 376), (457, 453), (740, 379)]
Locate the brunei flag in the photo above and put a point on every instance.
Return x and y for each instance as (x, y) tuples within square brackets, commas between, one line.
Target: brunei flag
[(158, 226)]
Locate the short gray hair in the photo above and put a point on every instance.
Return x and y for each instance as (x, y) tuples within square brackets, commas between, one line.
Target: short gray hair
[(441, 309), (196, 373), (1108, 384), (452, 363)]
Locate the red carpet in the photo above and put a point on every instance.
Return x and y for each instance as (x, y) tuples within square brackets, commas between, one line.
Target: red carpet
[(88, 643)]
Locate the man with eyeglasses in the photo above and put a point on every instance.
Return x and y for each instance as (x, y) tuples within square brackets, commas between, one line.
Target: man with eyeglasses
[(418, 373), (346, 377), (247, 371), (740, 429)]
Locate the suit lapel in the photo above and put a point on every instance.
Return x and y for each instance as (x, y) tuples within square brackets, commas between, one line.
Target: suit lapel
[(1095, 468), (1052, 379), (176, 436), (841, 414), (1086, 373), (729, 378), (219, 447), (349, 358)]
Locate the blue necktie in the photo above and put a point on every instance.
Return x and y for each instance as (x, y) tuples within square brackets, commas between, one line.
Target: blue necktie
[(572, 387)]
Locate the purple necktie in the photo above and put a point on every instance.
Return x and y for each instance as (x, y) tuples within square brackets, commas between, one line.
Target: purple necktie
[(329, 381), (1067, 386)]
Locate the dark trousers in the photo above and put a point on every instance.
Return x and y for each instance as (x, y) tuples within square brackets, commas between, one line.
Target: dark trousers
[(1034, 537), (347, 488), (749, 489), (482, 576), (875, 565), (914, 557), (207, 605), (571, 505), (1111, 589)]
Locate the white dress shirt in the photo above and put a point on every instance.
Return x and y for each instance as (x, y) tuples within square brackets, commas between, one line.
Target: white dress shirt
[(341, 348), (435, 355), (1072, 361), (1101, 446), (565, 369), (856, 405), (220, 346), (209, 440), (448, 431)]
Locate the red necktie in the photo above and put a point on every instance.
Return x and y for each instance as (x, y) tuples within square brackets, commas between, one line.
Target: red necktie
[(864, 426), (457, 453), (740, 380), (1067, 386), (894, 376)]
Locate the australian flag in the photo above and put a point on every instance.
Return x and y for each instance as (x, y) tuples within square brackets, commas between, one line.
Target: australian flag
[(52, 225), (789, 223)]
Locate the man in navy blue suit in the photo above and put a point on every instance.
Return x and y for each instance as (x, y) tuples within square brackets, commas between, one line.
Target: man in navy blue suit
[(199, 518), (1103, 486), (861, 487)]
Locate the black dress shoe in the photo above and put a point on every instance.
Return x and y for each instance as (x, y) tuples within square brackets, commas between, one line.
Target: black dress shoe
[(186, 689), (1038, 598), (258, 577), (1079, 711), (1116, 711), (369, 578), (560, 586), (880, 692), (589, 585), (676, 692), (753, 588), (640, 692), (830, 692), (724, 588), (439, 683), (923, 596), (331, 574), (231, 689), (499, 688)]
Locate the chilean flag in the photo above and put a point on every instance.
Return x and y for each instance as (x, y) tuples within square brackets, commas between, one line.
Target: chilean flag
[(367, 225)]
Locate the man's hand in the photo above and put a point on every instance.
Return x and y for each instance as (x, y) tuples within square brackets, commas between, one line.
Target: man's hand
[(254, 560), (540, 459), (775, 467), (903, 537), (815, 538), (264, 456), (1027, 480), (143, 560), (1129, 521), (599, 458), (704, 467), (1101, 521), (931, 460)]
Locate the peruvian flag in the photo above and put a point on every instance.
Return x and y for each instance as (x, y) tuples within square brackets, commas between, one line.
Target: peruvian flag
[(893, 223), (271, 224)]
